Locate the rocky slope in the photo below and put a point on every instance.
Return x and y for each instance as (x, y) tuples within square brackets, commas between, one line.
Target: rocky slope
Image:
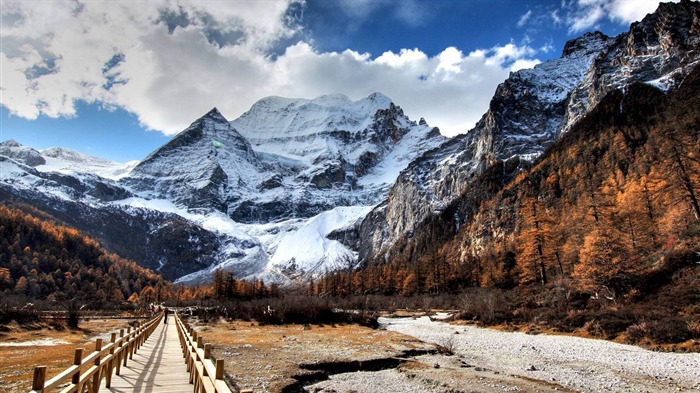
[(531, 110)]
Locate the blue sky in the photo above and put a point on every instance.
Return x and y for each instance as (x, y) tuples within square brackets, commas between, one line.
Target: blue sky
[(118, 80)]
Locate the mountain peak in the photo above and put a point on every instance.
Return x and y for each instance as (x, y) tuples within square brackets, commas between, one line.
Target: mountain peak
[(214, 114), (672, 25), (20, 153), (586, 43), (377, 96), (10, 143)]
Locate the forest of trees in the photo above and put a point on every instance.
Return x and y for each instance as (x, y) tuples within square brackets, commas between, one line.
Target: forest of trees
[(41, 260), (225, 286)]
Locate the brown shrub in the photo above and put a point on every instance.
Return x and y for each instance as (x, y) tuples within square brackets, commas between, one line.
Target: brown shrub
[(669, 330)]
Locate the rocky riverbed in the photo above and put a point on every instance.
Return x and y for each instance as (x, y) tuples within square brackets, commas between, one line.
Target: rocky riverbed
[(487, 360)]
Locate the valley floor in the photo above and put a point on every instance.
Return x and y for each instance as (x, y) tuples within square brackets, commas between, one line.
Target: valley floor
[(401, 357), (572, 363)]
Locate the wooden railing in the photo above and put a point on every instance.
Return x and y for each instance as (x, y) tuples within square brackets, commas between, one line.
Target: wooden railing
[(86, 373), (206, 373)]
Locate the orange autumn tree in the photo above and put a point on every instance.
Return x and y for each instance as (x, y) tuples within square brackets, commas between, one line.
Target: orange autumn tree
[(603, 260), (535, 257)]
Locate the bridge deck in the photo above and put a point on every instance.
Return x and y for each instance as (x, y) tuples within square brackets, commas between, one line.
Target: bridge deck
[(158, 366)]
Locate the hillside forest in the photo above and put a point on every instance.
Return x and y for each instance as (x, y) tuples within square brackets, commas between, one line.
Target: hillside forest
[(43, 260)]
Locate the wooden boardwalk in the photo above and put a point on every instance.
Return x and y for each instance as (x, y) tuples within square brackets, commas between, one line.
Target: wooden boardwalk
[(153, 357), (158, 366)]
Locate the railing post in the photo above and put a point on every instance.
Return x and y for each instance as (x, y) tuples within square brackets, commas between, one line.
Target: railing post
[(207, 351), (128, 343), (96, 377), (138, 336), (77, 360), (193, 361), (132, 340), (121, 351), (110, 365), (39, 378), (219, 369)]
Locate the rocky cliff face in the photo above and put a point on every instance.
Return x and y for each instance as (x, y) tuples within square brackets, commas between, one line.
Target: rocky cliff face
[(530, 110), (661, 49)]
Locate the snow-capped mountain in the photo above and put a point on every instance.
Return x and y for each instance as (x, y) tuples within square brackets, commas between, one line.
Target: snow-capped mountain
[(285, 158), (533, 108), (313, 167), (197, 167), (286, 167)]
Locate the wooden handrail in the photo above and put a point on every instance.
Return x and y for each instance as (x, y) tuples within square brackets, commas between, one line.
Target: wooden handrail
[(87, 373), (206, 373)]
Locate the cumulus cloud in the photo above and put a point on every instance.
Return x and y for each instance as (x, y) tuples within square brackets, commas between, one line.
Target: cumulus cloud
[(170, 61), (586, 14)]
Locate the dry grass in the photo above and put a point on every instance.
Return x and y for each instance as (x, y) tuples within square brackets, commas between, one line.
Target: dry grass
[(265, 358), (17, 362)]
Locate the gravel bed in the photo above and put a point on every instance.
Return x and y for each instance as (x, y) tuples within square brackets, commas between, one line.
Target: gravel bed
[(586, 365), (385, 381)]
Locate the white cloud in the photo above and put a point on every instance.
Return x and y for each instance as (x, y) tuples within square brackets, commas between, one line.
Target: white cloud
[(172, 67), (586, 14), (524, 18), (556, 19)]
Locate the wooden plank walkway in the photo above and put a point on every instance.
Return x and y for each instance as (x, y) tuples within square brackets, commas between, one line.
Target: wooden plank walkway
[(158, 366)]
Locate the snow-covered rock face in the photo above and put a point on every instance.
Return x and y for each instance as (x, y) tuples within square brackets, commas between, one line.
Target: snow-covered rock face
[(286, 158), (660, 49), (197, 167), (327, 152), (22, 154), (67, 161), (534, 107)]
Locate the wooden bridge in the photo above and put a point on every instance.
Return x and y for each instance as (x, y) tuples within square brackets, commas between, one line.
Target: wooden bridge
[(152, 357)]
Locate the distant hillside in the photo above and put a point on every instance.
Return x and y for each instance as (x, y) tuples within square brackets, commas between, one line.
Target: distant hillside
[(40, 259)]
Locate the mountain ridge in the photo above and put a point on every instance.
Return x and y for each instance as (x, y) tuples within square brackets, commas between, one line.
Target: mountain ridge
[(524, 117)]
